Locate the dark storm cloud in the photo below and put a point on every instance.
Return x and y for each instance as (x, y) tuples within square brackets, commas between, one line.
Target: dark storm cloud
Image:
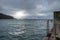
[(32, 7)]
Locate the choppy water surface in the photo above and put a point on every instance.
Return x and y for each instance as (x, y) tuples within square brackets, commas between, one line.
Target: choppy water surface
[(11, 29)]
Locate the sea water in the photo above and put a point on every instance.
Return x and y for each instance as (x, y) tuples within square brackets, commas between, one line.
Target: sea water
[(33, 29)]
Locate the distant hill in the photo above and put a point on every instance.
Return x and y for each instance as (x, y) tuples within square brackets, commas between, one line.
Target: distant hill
[(3, 16)]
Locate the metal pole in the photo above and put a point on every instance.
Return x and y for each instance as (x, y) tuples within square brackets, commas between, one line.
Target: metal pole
[(48, 27)]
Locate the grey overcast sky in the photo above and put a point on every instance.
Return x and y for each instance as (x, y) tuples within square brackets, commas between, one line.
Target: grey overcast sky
[(29, 8)]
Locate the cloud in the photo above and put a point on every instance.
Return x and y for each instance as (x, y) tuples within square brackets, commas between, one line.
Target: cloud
[(32, 7)]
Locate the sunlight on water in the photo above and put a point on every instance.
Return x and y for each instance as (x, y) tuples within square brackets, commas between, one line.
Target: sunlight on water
[(16, 33)]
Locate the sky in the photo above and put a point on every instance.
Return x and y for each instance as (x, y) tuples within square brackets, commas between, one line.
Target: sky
[(30, 9)]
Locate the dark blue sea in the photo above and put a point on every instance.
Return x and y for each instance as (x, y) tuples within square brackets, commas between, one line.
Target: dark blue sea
[(25, 29)]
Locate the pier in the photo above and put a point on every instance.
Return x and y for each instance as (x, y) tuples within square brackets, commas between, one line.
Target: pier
[(54, 33)]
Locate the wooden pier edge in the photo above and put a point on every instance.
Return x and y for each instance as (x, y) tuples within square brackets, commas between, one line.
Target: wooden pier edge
[(51, 35)]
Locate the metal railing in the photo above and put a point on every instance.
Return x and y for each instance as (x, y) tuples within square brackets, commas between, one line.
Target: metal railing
[(48, 28)]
